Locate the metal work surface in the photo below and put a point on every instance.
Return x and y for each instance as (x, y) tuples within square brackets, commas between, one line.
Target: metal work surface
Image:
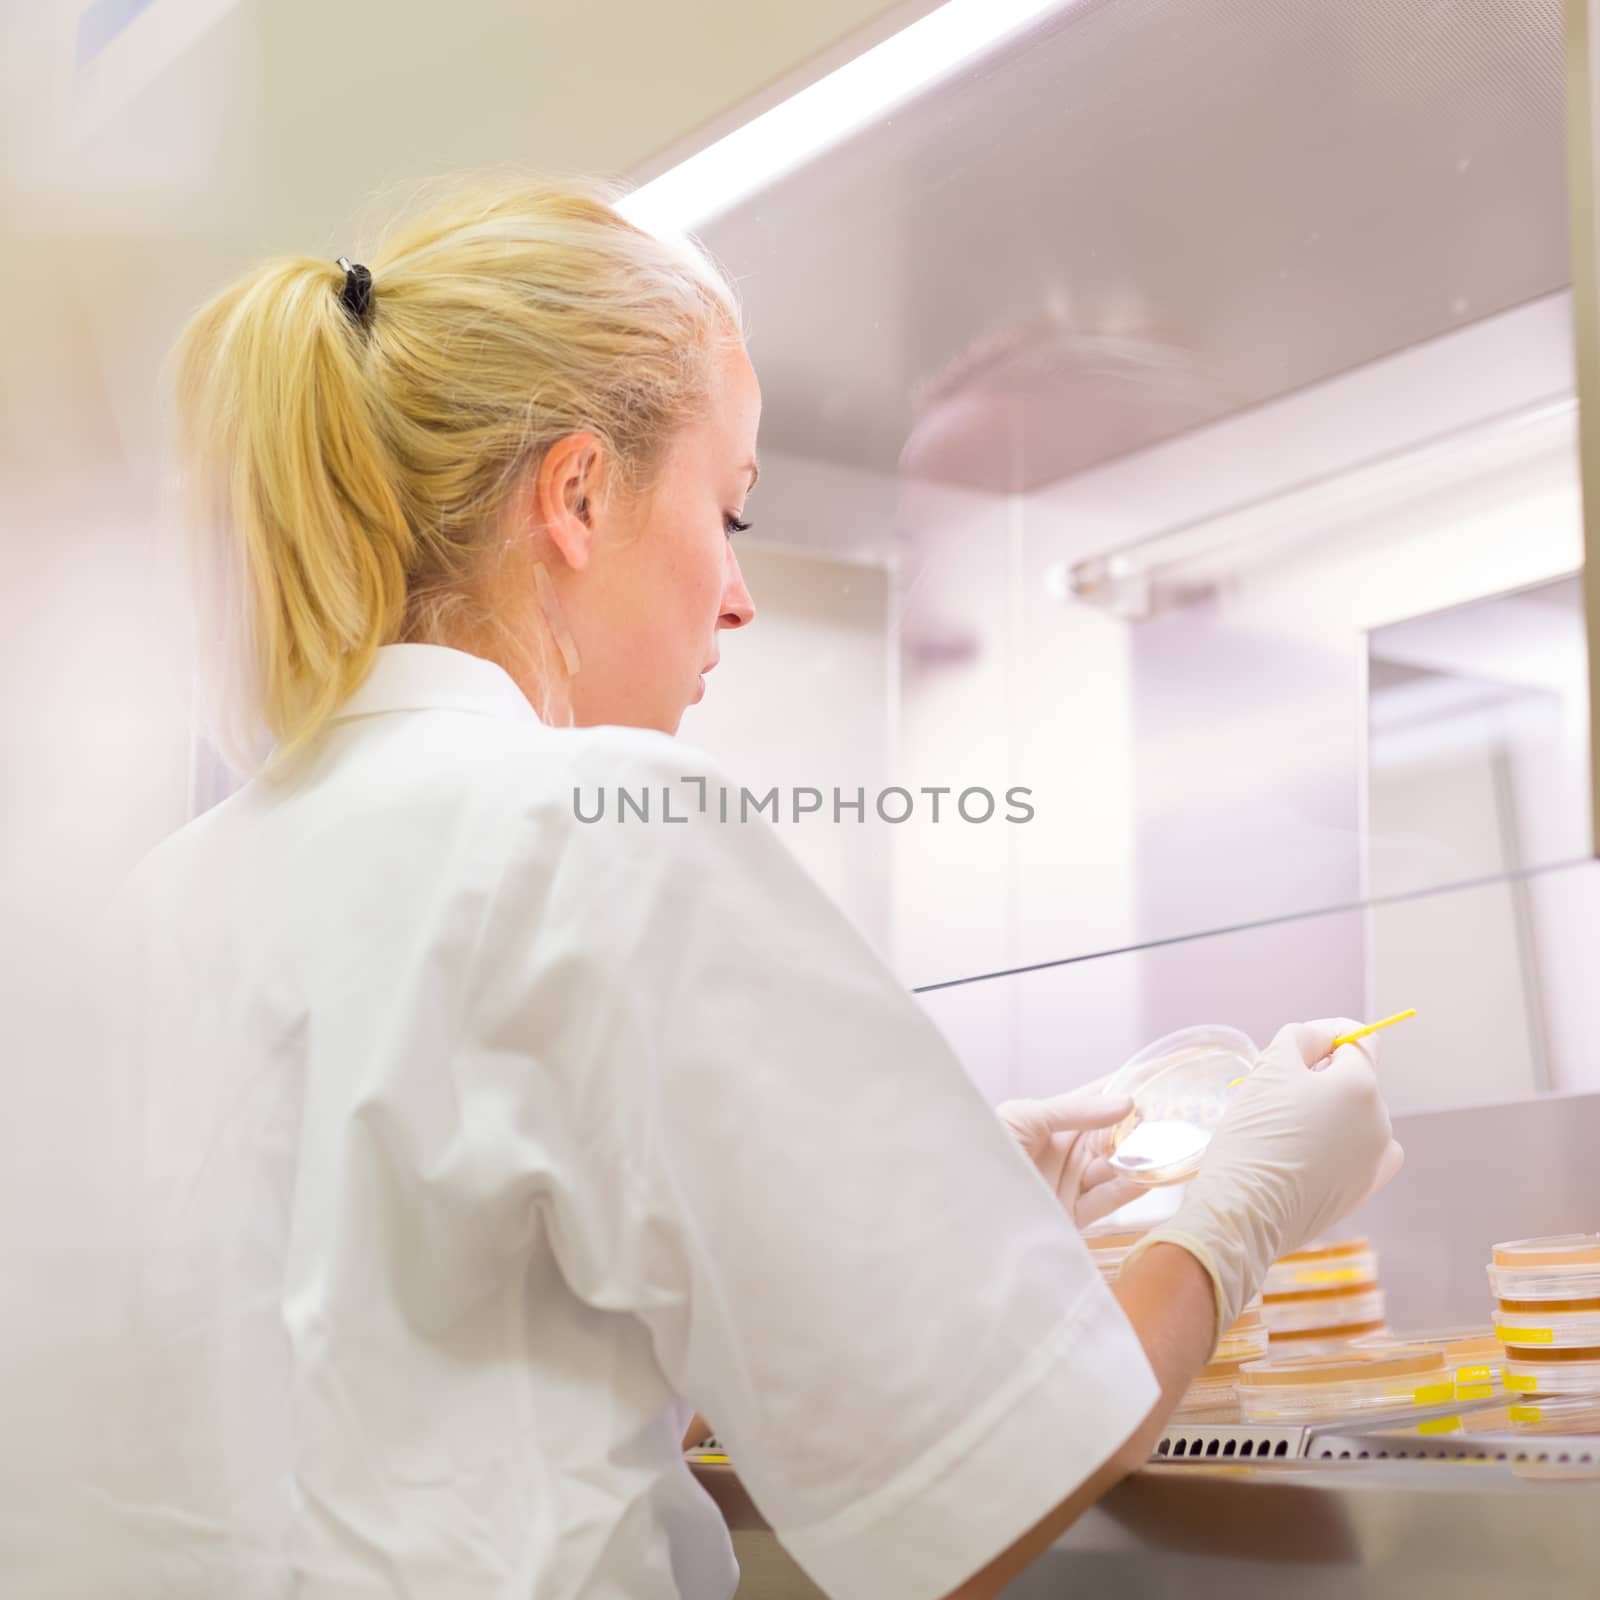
[(1353, 1530), (1349, 1530), (1465, 1505)]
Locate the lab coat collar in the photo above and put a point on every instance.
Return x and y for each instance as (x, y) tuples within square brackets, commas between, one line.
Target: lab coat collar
[(430, 677)]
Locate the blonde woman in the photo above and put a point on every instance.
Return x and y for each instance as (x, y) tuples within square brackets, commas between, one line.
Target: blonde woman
[(483, 1143)]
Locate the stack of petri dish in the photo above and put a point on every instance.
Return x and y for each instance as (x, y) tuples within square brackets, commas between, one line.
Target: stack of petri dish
[(1472, 1355), (1215, 1392), (1547, 1314), (1319, 1300), (1246, 1340), (1348, 1383)]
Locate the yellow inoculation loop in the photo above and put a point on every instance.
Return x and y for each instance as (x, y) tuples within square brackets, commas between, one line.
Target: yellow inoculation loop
[(1354, 1034), (1524, 1335), (1373, 1027), (1518, 1384), (1435, 1394)]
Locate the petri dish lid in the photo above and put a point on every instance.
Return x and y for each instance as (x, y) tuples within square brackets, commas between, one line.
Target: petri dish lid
[(1559, 1250), (1547, 1372), (1347, 1366), (1540, 1353), (1322, 1252), (1559, 1413), (1456, 1343), (1344, 1314), (1348, 1333), (1179, 1088), (1321, 1299), (1321, 1341), (1221, 1371), (1546, 1308), (1346, 1263)]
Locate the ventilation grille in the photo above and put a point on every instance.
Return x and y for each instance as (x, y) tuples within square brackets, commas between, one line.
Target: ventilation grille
[(1578, 1451), (1229, 1442)]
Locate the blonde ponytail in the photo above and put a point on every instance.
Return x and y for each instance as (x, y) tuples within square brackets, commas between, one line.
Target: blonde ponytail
[(347, 470)]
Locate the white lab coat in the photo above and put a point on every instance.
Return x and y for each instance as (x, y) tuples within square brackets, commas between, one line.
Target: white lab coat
[(475, 1145)]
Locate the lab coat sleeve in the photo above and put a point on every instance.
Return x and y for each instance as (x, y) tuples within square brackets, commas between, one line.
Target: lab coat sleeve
[(785, 1173)]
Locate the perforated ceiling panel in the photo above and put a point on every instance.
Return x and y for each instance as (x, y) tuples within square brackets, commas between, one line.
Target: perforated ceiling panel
[(1149, 215)]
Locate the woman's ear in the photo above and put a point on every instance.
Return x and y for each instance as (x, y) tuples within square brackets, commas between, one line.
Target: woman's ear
[(564, 492)]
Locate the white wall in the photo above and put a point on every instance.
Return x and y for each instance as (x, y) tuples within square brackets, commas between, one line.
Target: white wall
[(1480, 765)]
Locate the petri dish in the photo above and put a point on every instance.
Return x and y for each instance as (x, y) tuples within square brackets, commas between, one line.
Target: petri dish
[(1248, 1319), (1553, 1372), (1249, 1344), (1215, 1388), (1342, 1265), (1556, 1414), (1559, 1324), (1179, 1088), (1560, 1414), (1298, 1388), (1471, 1352), (1246, 1340), (1323, 1311), (1561, 1267)]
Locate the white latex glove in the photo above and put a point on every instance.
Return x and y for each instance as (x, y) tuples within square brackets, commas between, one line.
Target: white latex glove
[(1057, 1136), (1304, 1142)]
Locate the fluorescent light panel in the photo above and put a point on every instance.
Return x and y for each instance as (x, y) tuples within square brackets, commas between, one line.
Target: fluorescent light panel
[(833, 108)]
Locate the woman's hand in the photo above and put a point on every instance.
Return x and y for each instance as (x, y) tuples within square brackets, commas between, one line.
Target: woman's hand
[(1305, 1140), (1060, 1137)]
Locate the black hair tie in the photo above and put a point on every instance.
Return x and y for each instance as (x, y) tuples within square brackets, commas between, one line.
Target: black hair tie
[(357, 293)]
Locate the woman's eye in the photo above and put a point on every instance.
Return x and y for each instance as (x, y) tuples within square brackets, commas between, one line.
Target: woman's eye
[(734, 525)]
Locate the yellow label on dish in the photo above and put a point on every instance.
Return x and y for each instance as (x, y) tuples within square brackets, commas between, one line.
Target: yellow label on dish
[(1435, 1394), (1524, 1335), (1474, 1374), (1474, 1391), (1440, 1425), (1333, 1275), (1517, 1384), (1524, 1413)]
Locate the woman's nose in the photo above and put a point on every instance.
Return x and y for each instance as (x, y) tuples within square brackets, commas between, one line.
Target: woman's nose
[(738, 609)]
